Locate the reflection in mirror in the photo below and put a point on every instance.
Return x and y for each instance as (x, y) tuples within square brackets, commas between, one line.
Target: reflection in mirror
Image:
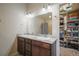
[(46, 25), (40, 25)]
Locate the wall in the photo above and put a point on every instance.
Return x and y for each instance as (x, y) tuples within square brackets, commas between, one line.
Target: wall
[(49, 21), (50, 26), (55, 26), (75, 6), (12, 22)]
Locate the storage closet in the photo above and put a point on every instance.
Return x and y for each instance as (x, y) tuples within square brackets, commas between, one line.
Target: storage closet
[(61, 30), (69, 26), (72, 35)]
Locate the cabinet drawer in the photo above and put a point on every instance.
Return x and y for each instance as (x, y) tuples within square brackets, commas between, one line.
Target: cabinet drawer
[(41, 44), (20, 42), (28, 47), (27, 40), (21, 48), (36, 43)]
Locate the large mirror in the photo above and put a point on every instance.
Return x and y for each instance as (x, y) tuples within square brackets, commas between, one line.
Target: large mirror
[(41, 24), (46, 23)]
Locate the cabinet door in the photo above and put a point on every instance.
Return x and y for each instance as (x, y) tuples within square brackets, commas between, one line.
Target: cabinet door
[(21, 45), (35, 51), (28, 49), (44, 52)]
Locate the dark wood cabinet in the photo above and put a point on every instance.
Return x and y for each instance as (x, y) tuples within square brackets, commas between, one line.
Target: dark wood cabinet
[(24, 46), (35, 51), (38, 51), (44, 52), (29, 47), (40, 48), (20, 45)]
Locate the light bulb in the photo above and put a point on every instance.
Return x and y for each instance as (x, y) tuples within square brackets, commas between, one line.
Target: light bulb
[(30, 15), (49, 16), (49, 7), (43, 9)]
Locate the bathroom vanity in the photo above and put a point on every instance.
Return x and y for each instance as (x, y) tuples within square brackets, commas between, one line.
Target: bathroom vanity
[(31, 45)]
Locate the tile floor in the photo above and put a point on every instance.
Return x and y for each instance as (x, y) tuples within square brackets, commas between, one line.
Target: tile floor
[(64, 52), (69, 52)]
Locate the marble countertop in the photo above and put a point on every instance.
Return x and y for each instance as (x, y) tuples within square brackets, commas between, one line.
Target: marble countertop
[(46, 39)]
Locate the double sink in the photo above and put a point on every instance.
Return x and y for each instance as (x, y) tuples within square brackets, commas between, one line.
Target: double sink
[(40, 37)]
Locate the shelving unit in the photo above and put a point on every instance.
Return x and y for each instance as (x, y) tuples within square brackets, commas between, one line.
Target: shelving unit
[(73, 30), (61, 30), (71, 34)]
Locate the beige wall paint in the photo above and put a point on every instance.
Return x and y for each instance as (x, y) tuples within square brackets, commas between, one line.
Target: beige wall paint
[(49, 21), (13, 49), (75, 6), (12, 22), (50, 26)]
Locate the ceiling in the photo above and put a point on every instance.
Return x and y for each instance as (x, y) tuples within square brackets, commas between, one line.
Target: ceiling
[(31, 7)]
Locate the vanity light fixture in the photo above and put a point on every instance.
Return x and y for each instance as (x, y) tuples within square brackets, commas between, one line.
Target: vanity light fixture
[(43, 9), (26, 14), (29, 14), (49, 6)]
